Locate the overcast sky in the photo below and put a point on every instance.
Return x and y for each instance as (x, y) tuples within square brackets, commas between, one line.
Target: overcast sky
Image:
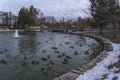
[(57, 8)]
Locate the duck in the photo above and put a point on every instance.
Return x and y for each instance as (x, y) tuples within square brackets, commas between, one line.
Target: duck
[(25, 57), (45, 73), (48, 56), (54, 48), (71, 47), (57, 52), (51, 62), (44, 51), (68, 57), (67, 42), (76, 53), (3, 62), (5, 50), (60, 44), (42, 69), (1, 52), (63, 54), (25, 63), (59, 56), (86, 52), (44, 59)]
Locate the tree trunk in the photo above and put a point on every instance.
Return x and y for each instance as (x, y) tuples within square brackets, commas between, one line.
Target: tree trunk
[(114, 31), (101, 30)]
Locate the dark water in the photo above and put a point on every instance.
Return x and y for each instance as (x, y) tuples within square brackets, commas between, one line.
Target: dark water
[(43, 56)]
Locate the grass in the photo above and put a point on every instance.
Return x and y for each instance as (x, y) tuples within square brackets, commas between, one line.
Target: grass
[(107, 35)]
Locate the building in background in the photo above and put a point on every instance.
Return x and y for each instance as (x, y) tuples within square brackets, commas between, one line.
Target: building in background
[(8, 20)]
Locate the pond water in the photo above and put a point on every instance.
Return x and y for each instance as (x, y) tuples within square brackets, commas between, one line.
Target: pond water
[(43, 56)]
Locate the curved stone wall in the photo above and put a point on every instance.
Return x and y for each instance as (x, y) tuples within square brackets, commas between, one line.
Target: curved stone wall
[(73, 74)]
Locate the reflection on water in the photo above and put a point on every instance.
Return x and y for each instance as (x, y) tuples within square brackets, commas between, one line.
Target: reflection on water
[(43, 56)]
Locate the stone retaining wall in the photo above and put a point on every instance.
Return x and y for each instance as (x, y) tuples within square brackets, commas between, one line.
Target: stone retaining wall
[(73, 74)]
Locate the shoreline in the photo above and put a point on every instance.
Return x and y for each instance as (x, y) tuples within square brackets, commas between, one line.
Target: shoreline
[(10, 30)]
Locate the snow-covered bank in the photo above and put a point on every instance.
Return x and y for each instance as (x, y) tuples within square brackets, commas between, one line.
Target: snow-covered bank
[(99, 71)]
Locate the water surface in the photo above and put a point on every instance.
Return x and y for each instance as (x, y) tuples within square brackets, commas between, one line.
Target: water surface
[(43, 56)]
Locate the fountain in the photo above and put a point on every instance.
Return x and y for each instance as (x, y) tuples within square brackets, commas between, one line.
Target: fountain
[(16, 34)]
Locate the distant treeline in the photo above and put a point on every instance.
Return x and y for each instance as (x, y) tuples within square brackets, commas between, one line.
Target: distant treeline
[(103, 13), (34, 17)]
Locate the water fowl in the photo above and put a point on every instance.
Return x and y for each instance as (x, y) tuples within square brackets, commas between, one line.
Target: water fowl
[(86, 52), (3, 62), (51, 62), (48, 56), (36, 62), (25, 57), (25, 63), (71, 47), (67, 42), (56, 51), (55, 48), (44, 51), (44, 59), (60, 44), (76, 53), (5, 50), (38, 42), (59, 56), (45, 73), (1, 52), (63, 54), (68, 57)]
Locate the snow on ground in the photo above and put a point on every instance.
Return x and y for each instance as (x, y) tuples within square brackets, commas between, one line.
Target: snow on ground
[(101, 71)]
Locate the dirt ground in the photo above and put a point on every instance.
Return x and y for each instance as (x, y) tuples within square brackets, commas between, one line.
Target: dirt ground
[(107, 35)]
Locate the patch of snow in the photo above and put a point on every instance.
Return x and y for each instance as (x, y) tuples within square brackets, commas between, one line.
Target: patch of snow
[(101, 69)]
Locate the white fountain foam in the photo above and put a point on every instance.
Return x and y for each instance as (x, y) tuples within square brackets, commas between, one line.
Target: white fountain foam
[(16, 34)]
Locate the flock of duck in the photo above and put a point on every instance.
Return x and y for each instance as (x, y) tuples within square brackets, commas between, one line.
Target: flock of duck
[(63, 56)]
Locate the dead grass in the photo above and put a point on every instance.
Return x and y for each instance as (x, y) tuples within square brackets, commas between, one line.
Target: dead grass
[(117, 65), (107, 35)]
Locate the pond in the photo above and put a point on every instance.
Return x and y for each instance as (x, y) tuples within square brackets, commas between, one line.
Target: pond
[(43, 56)]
